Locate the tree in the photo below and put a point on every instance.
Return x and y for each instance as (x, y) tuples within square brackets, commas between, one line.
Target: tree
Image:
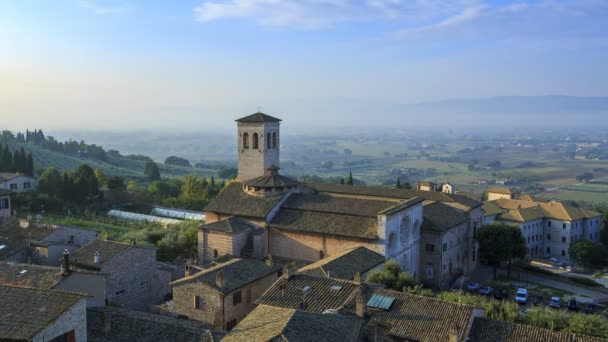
[(132, 186), (500, 243), (350, 179), (151, 170), (101, 177), (407, 185), (50, 182), (177, 161), (85, 183), (116, 183), (29, 165), (587, 252), (392, 277), (398, 183), (585, 177), (604, 229), (593, 325), (6, 161)]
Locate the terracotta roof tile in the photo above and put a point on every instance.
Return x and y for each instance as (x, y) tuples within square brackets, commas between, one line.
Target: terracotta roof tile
[(258, 117), (345, 264)]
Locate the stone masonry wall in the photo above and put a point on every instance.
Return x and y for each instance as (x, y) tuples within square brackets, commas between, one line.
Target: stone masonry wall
[(74, 318)]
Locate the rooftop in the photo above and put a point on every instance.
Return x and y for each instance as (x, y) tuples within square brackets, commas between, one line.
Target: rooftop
[(418, 318), (345, 264), (325, 223), (232, 200), (267, 323), (485, 329), (231, 225), (321, 293), (26, 311), (236, 273), (14, 238), (439, 217), (106, 249), (504, 191), (520, 210), (128, 325), (42, 277), (258, 117)]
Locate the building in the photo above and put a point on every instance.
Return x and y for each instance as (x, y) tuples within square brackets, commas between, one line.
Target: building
[(135, 280), (485, 329), (447, 188), (258, 145), (109, 324), (16, 240), (6, 203), (223, 295), (548, 227), (398, 316), (347, 264), (274, 215), (268, 323), (426, 186), (17, 182), (39, 315), (91, 284), (500, 193)]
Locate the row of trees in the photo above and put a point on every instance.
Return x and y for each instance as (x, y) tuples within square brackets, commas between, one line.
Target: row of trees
[(77, 186), (18, 161), (192, 193)]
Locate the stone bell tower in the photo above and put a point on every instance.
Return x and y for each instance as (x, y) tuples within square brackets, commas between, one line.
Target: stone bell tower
[(258, 145)]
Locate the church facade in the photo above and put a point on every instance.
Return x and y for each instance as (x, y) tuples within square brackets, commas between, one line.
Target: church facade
[(264, 213)]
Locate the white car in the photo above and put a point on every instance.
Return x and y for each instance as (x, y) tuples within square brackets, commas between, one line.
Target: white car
[(521, 296)]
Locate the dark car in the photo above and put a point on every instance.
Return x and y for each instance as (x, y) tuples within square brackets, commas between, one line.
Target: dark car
[(539, 299), (573, 304), (501, 294), (590, 308)]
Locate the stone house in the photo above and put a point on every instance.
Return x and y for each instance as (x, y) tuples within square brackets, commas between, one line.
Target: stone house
[(40, 315), (53, 240), (223, 295), (232, 236), (426, 186), (134, 279), (548, 227), (17, 182)]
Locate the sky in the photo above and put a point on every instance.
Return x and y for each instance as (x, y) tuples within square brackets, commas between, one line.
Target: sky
[(196, 65)]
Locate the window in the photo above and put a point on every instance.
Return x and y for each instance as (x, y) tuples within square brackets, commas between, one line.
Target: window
[(430, 247), (13, 186), (549, 224), (27, 185), (392, 242), (254, 140), (445, 247), (548, 236), (268, 146), (563, 225), (71, 240), (404, 230), (215, 253), (563, 239), (321, 255), (528, 239), (4, 203), (563, 252), (231, 324), (245, 140), (236, 298), (548, 250), (121, 292), (198, 302), (274, 140)]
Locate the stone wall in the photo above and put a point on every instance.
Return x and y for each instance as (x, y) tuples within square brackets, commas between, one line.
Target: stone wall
[(134, 271), (75, 318), (93, 284), (210, 242)]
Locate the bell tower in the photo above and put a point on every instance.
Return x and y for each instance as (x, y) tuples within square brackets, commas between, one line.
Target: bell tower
[(258, 145)]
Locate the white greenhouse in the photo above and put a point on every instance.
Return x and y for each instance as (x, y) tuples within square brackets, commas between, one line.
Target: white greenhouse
[(128, 216), (178, 214)]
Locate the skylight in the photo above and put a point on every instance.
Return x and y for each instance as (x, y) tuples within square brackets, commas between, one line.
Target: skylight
[(2, 247), (336, 287)]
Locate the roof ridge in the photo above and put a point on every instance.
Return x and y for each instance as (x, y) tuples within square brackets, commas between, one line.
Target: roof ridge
[(327, 212)]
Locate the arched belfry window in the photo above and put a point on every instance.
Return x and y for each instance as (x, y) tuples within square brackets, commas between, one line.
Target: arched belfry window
[(254, 140), (274, 140), (245, 140), (268, 146)]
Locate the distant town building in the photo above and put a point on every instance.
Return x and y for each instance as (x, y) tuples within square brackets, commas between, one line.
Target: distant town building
[(498, 193), (486, 329), (223, 295), (426, 186), (447, 188), (39, 315), (548, 227), (17, 182), (135, 280)]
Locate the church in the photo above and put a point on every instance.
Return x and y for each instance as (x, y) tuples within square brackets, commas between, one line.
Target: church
[(264, 213)]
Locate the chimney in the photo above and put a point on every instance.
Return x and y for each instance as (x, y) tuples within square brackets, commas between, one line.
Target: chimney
[(286, 272), (65, 263), (269, 261), (453, 333), (188, 269), (361, 301), (219, 279), (357, 278), (96, 258)]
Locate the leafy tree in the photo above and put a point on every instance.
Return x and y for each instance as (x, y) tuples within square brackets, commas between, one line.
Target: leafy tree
[(407, 185), (86, 185), (177, 161), (587, 252), (151, 170), (593, 325), (116, 183), (392, 277), (50, 182), (227, 173), (546, 318), (500, 243), (101, 177), (132, 186)]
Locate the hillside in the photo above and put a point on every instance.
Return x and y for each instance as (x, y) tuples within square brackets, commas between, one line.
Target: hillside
[(124, 167)]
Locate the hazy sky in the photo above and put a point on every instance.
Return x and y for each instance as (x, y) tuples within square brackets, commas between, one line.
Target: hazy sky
[(197, 64)]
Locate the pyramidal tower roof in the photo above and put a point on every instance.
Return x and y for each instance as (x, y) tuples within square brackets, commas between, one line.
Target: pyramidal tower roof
[(258, 117)]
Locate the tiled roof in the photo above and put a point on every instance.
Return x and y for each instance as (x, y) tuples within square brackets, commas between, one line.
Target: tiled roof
[(345, 264), (230, 225), (41, 277), (440, 217), (491, 208), (258, 117), (232, 200), (106, 249), (324, 202), (267, 323), (406, 204), (287, 293), (522, 210), (325, 223), (504, 191), (15, 238), (126, 325), (418, 318), (236, 273), (485, 329), (26, 311), (271, 181)]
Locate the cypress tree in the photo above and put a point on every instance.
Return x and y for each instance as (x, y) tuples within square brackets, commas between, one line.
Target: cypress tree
[(398, 183), (350, 178), (29, 169), (7, 159)]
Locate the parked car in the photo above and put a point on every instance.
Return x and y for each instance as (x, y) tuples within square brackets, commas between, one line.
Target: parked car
[(557, 262), (501, 294), (590, 308), (521, 296), (486, 290), (539, 300), (473, 287), (555, 302), (573, 304)]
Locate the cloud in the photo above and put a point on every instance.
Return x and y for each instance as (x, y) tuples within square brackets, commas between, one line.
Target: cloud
[(464, 16), (104, 8)]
